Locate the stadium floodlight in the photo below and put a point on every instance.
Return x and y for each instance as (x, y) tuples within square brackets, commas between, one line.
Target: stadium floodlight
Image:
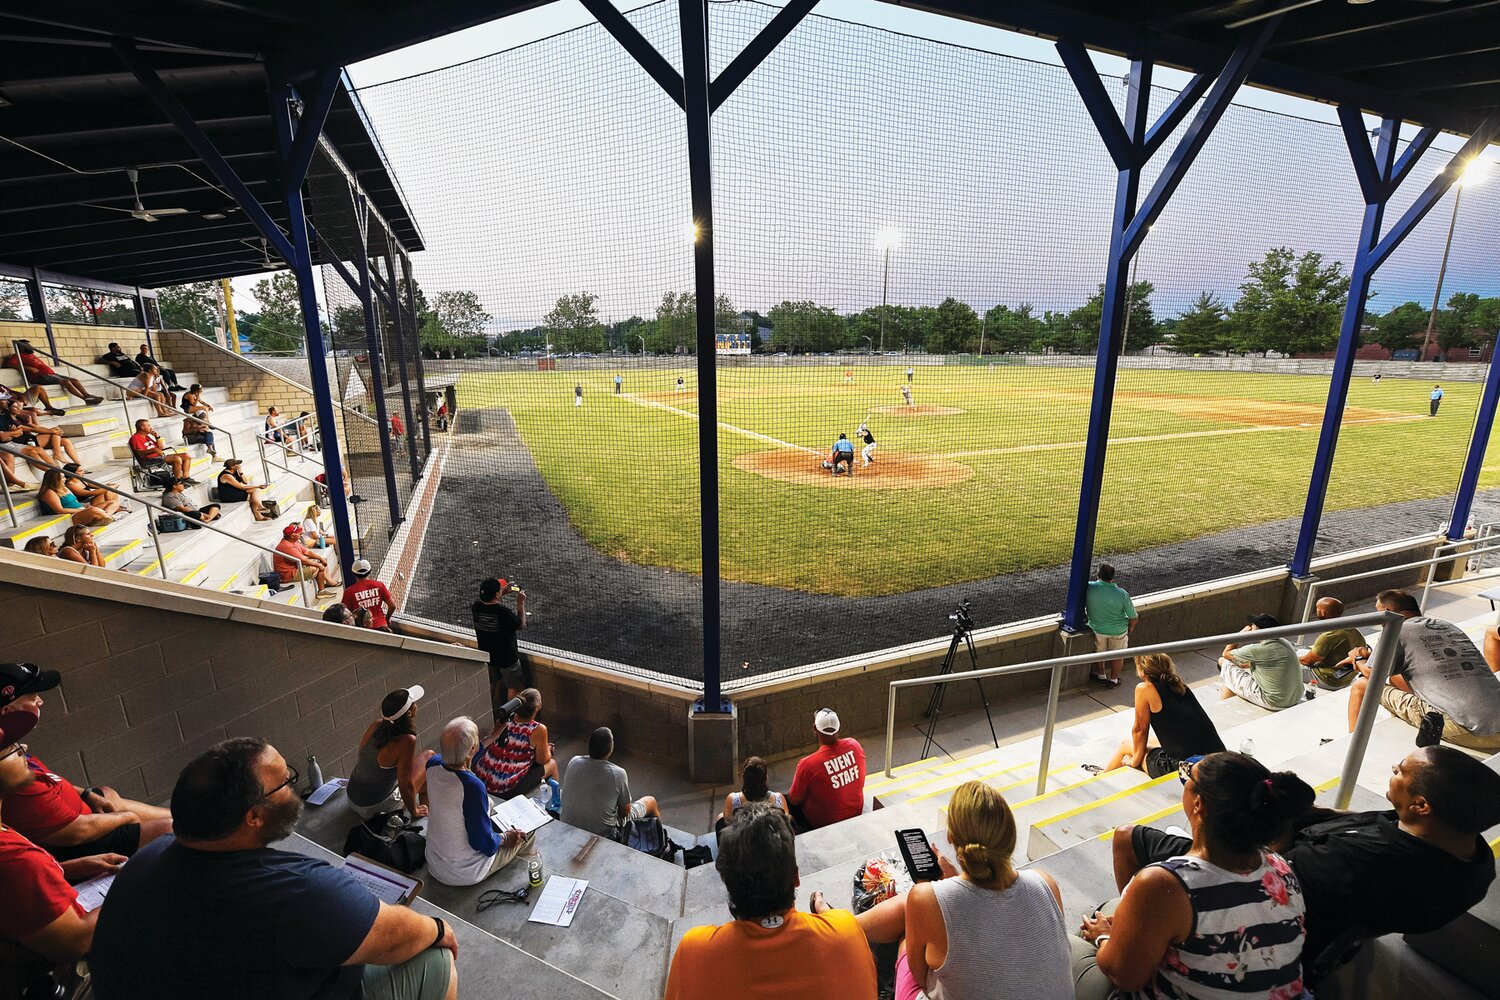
[(1472, 175), (694, 231), (888, 239)]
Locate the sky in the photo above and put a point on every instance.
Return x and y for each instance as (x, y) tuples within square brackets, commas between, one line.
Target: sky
[(530, 183)]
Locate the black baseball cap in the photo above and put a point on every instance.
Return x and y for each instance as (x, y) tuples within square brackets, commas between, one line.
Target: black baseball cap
[(1262, 621), (17, 679)]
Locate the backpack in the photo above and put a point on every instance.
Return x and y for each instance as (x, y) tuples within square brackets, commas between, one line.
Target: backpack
[(649, 837), (390, 840)]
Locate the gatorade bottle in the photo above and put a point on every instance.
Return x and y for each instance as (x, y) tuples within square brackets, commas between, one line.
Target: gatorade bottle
[(534, 869)]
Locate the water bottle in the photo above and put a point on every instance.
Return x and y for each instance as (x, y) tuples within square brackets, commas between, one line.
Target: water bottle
[(534, 869), (1247, 747), (314, 774)]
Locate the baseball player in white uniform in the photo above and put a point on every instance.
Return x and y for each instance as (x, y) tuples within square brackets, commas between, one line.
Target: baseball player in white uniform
[(906, 395)]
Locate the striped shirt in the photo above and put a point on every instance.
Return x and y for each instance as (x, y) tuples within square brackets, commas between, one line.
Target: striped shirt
[(503, 763), (1247, 934)]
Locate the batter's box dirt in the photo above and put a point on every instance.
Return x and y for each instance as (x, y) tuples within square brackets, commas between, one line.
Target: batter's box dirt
[(889, 471), (920, 410)]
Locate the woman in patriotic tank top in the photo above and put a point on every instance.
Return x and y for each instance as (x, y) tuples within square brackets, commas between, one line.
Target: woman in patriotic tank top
[(1224, 921), (518, 757)]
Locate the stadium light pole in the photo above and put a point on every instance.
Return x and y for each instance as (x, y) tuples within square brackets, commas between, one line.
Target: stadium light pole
[(1135, 268), (643, 344), (867, 340), (1473, 175), (888, 239)]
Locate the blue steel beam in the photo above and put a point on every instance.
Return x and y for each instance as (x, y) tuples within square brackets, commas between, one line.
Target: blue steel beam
[(1383, 162), (349, 277), (377, 375), (410, 429), (1097, 101), (752, 55), (1468, 482), (410, 301), (310, 125), (1372, 180), (1177, 111), (1414, 151), (635, 43)]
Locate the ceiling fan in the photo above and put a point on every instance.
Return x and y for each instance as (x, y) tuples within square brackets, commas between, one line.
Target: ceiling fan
[(140, 211)]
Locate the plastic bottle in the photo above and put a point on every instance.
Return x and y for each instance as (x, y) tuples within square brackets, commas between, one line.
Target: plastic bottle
[(314, 774), (1247, 747), (534, 869)]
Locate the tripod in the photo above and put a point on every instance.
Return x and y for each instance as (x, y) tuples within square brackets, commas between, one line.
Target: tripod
[(961, 631)]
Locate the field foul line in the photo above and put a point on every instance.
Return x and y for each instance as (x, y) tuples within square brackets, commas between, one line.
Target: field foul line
[(1146, 439), (722, 425)]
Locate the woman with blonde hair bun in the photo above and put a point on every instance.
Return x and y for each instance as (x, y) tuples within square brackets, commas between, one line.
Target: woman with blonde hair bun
[(1165, 706)]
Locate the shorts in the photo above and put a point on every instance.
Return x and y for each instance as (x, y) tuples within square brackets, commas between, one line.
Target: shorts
[(637, 810), (424, 976), (1152, 845), (513, 675), (843, 456), (1242, 683), (1159, 763), (530, 782), (44, 379), (1409, 709), (1105, 643), (121, 840), (11, 448)]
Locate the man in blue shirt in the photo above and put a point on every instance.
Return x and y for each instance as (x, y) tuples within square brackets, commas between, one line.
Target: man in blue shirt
[(842, 454), (216, 912), (1435, 400)]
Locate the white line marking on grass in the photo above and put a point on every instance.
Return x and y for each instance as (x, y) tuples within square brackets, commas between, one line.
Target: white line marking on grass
[(722, 425)]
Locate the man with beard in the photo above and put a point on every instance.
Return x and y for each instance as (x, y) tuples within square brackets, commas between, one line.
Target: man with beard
[(218, 912)]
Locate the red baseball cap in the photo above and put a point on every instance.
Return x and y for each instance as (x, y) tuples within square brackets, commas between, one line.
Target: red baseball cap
[(291, 529)]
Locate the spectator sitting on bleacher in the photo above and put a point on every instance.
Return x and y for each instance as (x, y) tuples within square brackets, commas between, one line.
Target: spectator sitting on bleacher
[(314, 535), (1405, 870), (1265, 673), (989, 932), (274, 429), (146, 361), (1328, 659), (195, 430), (55, 499), (20, 427), (217, 912), (1165, 706), (192, 401), (79, 546), (1223, 918), (463, 846), (235, 489), (753, 791), (369, 595), (17, 442), (174, 498), (41, 545), (388, 769), (118, 362), (38, 372), (829, 784), (70, 822), (31, 397), (307, 434), (42, 927), (518, 757), (89, 494), (150, 451), (337, 614), (147, 384), (1437, 669), (598, 798), (286, 561), (770, 949)]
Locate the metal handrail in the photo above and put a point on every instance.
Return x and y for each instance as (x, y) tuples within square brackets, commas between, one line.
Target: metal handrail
[(1385, 653), (1312, 587), (161, 559), (261, 443)]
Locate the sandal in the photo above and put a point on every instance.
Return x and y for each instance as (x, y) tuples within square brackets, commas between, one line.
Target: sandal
[(814, 900), (1092, 768)]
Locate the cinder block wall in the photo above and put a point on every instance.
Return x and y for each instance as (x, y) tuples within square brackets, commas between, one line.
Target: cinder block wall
[(243, 378), (77, 343), (152, 678)]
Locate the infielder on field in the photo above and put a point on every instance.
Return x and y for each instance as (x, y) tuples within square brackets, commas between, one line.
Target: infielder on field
[(841, 454), (868, 452), (906, 395)]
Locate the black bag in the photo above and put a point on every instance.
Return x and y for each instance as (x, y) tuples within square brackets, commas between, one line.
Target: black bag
[(170, 523), (272, 580), (390, 840), (271, 507), (649, 837), (692, 857), (213, 493)]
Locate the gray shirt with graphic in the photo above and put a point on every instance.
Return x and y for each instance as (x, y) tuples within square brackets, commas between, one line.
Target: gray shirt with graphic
[(1445, 670)]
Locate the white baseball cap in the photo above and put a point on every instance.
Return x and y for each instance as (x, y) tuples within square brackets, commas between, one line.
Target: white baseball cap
[(361, 567), (826, 721), (413, 695)]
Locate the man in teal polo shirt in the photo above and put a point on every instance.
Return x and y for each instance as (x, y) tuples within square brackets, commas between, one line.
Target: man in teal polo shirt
[(1112, 617)]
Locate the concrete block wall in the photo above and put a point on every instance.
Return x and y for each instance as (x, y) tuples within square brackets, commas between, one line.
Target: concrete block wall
[(152, 677), (245, 380), (77, 343)]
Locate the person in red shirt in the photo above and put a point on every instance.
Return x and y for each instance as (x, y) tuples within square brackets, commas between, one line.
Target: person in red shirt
[(369, 595), (313, 567), (149, 449), (830, 782), (38, 372)]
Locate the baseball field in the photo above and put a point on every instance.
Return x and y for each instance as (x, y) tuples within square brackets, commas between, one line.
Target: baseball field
[(976, 478)]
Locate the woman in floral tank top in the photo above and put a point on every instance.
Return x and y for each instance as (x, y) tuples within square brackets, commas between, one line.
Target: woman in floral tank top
[(518, 758)]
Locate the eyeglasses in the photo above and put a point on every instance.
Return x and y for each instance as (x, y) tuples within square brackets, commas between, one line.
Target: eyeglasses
[(1185, 772), (493, 896), (291, 779), (15, 749)]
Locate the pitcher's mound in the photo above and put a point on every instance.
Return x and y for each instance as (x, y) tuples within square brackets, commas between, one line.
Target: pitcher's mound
[(920, 410), (889, 472)]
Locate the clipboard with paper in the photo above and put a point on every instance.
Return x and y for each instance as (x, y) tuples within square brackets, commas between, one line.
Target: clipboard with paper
[(522, 813)]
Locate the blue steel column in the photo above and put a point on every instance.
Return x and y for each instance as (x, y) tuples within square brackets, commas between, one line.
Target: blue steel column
[(1107, 358), (301, 265), (1376, 197), (402, 301), (377, 375), (693, 17), (1483, 422), (40, 311), (395, 316)]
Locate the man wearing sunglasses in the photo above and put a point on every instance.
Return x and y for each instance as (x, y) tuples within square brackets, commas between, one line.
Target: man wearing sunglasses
[(218, 912)]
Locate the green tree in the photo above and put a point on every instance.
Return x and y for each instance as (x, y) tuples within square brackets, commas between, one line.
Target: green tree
[(676, 329), (348, 323), (1289, 304), (574, 324), (1202, 329), (955, 328), (1467, 321), (806, 326), (195, 306), (277, 326), (621, 334), (1012, 331), (15, 303), (1401, 328)]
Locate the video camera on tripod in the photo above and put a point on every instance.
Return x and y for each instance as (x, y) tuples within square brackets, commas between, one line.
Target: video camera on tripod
[(961, 619), (963, 632)]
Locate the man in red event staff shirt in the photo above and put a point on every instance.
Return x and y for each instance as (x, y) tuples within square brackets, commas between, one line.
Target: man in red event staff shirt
[(369, 595), (149, 449), (830, 781)]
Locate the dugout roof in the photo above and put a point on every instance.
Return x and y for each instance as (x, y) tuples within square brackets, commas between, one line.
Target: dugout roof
[(64, 94)]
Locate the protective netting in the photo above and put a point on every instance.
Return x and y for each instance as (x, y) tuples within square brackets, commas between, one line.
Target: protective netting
[(876, 192)]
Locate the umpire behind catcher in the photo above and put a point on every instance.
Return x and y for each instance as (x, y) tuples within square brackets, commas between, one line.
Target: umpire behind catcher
[(842, 454)]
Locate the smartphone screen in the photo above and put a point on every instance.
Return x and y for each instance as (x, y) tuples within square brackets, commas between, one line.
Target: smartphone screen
[(916, 851)]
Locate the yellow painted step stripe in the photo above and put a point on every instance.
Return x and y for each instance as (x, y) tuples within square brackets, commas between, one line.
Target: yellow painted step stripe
[(229, 582), (952, 781), (156, 563), (1495, 847), (291, 601), (199, 569), (1030, 779), (129, 546), (954, 768), (1123, 793), (925, 762), (1169, 810), (26, 533)]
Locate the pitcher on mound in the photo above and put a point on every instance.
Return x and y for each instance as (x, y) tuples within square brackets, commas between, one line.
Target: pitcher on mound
[(906, 395)]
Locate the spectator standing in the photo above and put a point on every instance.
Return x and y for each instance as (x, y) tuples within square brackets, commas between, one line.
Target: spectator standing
[(518, 757), (168, 377), (79, 546), (1165, 706), (294, 561), (770, 950), (463, 846), (150, 450), (1327, 661), (578, 394), (369, 595), (118, 362), (1225, 919), (618, 383), (235, 487), (1111, 617), (754, 791), (1437, 669), (218, 912), (599, 792), (38, 372), (195, 430), (175, 499), (1434, 400), (830, 782), (1265, 673), (495, 628), (389, 769)]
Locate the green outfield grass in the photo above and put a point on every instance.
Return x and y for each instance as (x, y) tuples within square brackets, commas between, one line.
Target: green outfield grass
[(625, 467)]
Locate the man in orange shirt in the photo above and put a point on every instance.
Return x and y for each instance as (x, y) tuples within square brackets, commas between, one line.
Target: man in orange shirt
[(770, 949), (313, 567)]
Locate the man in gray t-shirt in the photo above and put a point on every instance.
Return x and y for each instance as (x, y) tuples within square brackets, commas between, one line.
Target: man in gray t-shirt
[(1437, 669), (596, 793)]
